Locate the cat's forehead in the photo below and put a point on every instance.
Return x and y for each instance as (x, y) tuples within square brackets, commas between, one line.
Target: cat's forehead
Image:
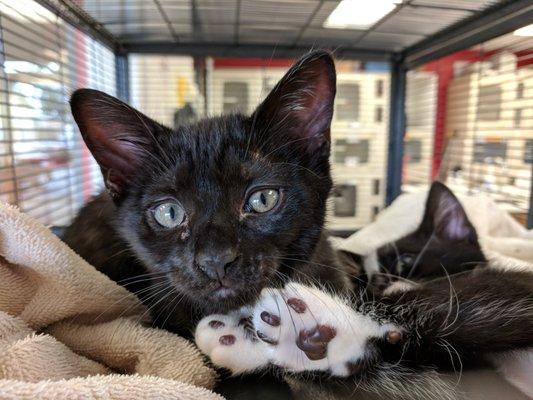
[(411, 243), (217, 130), (227, 143), (217, 158), (221, 167)]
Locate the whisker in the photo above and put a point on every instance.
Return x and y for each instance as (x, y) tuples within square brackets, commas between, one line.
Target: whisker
[(161, 284), (140, 276), (318, 264), (448, 345)]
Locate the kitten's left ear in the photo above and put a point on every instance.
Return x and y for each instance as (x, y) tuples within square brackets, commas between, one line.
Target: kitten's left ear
[(300, 107), (446, 217), (122, 140)]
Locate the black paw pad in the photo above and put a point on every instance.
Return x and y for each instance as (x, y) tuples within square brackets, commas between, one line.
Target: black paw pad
[(270, 319), (297, 305), (227, 340), (216, 324), (314, 342), (266, 339)]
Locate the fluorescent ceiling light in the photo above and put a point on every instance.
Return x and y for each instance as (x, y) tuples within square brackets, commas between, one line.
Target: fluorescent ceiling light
[(359, 14), (30, 13), (525, 31)]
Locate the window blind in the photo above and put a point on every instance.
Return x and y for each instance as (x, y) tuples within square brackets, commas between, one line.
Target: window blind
[(470, 122), (45, 168)]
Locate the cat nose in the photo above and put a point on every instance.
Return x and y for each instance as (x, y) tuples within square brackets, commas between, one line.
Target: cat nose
[(215, 263)]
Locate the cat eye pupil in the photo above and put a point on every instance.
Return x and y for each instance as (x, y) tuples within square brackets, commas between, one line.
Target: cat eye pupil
[(169, 215), (262, 200)]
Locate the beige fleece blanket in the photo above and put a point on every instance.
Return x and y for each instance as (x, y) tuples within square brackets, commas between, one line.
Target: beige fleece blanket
[(67, 331)]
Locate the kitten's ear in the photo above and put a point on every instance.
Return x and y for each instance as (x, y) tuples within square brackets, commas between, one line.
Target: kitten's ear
[(299, 108), (119, 137), (446, 217)]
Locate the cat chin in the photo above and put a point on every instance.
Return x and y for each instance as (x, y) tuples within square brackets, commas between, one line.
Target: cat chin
[(222, 300), (224, 293)]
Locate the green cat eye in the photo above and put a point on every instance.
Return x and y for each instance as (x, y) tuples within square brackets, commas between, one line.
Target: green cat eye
[(263, 200), (169, 215)]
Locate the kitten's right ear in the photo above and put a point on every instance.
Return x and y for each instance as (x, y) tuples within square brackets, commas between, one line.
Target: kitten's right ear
[(299, 109), (446, 217), (120, 138)]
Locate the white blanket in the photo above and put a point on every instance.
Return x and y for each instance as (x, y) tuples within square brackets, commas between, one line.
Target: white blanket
[(504, 241)]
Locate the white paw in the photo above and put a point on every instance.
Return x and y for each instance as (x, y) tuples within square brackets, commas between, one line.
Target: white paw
[(297, 328), (229, 343)]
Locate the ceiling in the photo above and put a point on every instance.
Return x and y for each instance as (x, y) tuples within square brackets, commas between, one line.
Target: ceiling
[(272, 23)]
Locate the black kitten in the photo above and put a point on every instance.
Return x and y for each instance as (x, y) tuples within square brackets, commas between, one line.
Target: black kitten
[(201, 218), (445, 242)]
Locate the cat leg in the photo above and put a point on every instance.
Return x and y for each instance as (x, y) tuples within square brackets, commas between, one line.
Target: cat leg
[(297, 328)]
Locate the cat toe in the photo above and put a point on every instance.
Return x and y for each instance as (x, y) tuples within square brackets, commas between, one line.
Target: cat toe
[(269, 318), (227, 341), (314, 342), (298, 305), (215, 324), (210, 329)]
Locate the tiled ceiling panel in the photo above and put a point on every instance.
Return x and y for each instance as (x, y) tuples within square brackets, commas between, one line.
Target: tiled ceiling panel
[(388, 41), (279, 22), (332, 37), (293, 13), (421, 20), (213, 13), (275, 35)]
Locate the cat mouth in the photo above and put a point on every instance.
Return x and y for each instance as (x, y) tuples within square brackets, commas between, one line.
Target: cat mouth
[(223, 289), (224, 292), (220, 297)]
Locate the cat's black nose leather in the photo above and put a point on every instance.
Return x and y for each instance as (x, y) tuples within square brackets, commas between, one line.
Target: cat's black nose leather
[(214, 263)]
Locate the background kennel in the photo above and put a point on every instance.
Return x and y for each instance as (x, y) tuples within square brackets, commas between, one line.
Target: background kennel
[(426, 89)]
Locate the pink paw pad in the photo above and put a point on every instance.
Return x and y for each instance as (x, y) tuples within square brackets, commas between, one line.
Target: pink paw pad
[(314, 342), (216, 324), (227, 340)]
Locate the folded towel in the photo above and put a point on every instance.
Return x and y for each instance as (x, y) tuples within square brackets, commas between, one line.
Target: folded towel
[(131, 387), (66, 330)]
